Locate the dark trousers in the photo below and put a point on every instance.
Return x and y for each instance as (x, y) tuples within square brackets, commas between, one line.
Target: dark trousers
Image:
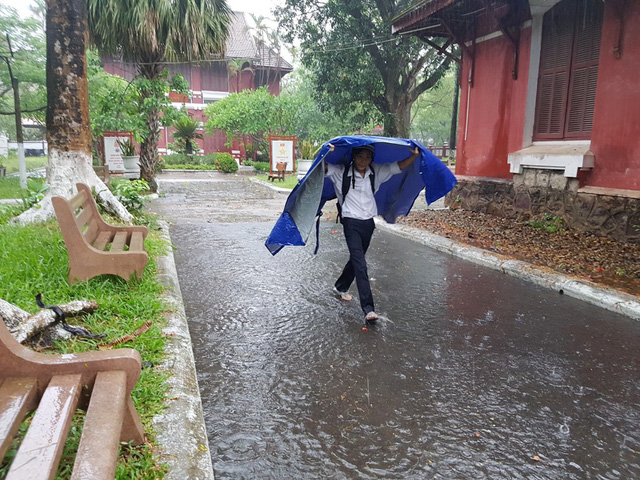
[(358, 235)]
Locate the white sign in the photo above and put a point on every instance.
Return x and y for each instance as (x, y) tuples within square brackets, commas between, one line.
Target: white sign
[(113, 154), (282, 151)]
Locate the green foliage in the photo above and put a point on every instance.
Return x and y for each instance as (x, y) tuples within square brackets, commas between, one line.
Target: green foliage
[(28, 65), (8, 211), (289, 182), (10, 186), (127, 148), (186, 134), (548, 222), (307, 148), (35, 192), (225, 163), (250, 112), (11, 162), (431, 114), (33, 259), (354, 76), (261, 167), (129, 193)]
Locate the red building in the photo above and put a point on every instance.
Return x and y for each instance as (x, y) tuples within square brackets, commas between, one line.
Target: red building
[(549, 118), (247, 64)]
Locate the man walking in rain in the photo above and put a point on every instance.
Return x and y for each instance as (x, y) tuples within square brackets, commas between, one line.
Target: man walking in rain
[(355, 186)]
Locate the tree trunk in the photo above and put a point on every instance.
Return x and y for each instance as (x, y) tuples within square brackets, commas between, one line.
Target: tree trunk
[(149, 150), (68, 129), (398, 120), (150, 68)]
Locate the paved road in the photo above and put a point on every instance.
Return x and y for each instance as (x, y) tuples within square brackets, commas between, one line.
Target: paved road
[(469, 373)]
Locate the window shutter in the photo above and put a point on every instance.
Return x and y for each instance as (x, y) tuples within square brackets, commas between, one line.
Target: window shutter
[(582, 96), (555, 66), (568, 70)]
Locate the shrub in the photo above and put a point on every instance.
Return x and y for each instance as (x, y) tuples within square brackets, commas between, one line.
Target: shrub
[(128, 192), (225, 163), (209, 159), (175, 159), (261, 167)]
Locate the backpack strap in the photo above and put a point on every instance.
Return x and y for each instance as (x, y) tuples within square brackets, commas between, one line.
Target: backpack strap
[(346, 185)]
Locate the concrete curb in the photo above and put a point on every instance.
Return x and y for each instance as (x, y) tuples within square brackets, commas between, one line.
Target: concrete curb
[(607, 298), (182, 434), (272, 187)]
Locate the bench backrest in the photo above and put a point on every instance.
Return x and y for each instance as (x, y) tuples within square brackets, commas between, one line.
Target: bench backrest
[(78, 217)]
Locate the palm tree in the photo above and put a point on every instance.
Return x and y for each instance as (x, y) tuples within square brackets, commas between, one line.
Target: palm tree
[(150, 33), (187, 130), (235, 68)]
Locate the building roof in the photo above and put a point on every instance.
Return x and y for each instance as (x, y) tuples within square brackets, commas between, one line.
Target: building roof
[(463, 19), (241, 44)]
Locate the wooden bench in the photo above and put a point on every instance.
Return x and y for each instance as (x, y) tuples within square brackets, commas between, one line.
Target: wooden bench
[(279, 172), (54, 386), (94, 246), (102, 171)]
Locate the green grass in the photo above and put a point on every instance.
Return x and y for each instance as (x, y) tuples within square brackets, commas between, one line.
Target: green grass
[(32, 162), (33, 259), (10, 187), (180, 166), (289, 182)]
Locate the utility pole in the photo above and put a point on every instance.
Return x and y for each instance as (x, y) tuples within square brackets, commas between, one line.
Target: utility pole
[(22, 166)]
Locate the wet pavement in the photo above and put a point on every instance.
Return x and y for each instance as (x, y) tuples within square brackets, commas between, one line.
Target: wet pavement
[(469, 373)]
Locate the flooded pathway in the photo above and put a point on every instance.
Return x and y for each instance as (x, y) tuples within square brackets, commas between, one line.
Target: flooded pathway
[(469, 374)]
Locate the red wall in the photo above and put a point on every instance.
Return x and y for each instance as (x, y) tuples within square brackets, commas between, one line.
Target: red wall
[(615, 139), (496, 108)]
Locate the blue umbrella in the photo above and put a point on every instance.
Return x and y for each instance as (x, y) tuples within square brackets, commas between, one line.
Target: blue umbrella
[(394, 198)]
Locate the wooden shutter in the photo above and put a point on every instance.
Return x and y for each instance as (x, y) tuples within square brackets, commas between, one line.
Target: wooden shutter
[(584, 78), (568, 70)]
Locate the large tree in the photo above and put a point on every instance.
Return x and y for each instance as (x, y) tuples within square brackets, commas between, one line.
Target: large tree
[(150, 33), (67, 115), (357, 65), (22, 48)]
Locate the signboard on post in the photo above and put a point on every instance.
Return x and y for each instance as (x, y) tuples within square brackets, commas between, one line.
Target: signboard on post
[(111, 149), (282, 149)]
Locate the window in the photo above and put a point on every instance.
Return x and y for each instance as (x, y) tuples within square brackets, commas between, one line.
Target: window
[(568, 70)]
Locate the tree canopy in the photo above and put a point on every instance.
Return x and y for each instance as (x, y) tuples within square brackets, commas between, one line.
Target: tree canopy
[(358, 67), (28, 45)]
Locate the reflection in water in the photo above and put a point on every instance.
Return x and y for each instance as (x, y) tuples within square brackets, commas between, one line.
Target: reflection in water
[(469, 373)]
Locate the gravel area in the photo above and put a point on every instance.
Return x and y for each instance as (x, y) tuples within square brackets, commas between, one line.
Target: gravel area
[(545, 243)]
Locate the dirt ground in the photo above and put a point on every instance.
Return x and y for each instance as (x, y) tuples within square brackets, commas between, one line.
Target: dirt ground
[(600, 260)]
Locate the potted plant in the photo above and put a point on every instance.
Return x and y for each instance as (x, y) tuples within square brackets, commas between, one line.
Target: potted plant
[(129, 157)]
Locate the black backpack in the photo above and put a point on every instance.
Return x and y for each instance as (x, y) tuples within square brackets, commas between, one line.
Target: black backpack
[(346, 185)]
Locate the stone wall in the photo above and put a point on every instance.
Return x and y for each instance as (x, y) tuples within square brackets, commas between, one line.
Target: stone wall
[(535, 193)]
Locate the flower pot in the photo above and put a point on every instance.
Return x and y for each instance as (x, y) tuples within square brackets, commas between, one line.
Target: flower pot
[(131, 163)]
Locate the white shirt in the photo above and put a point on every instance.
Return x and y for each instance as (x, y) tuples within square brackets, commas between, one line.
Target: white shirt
[(360, 202)]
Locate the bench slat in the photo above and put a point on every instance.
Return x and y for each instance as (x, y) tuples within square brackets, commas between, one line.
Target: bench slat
[(77, 200), (102, 240), (119, 241), (92, 231), (39, 455), (98, 450), (83, 218), (137, 242), (15, 396)]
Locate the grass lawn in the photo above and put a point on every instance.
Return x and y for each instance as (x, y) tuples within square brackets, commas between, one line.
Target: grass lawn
[(33, 259), (32, 162), (10, 186), (289, 182)]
